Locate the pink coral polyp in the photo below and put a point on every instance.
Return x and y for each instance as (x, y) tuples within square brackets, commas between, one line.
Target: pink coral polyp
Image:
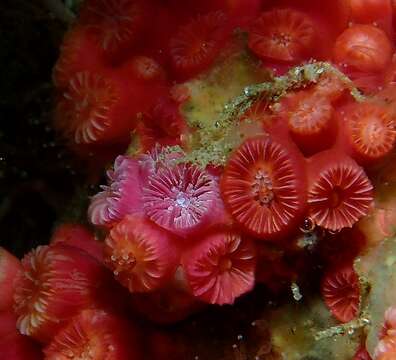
[(182, 199), (121, 197), (140, 254), (221, 267), (386, 349)]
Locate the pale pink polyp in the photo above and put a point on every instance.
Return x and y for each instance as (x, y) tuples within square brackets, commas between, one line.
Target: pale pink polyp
[(183, 199), (386, 347), (121, 197)]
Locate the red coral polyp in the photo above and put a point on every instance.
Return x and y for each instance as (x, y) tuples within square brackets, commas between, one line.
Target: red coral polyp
[(311, 122), (80, 237), (196, 45), (94, 109), (94, 334), (183, 199), (141, 255), (163, 125), (340, 193), (56, 283), (78, 53), (371, 132), (282, 35), (121, 197), (10, 267), (221, 267), (365, 48), (263, 187), (340, 292), (116, 25)]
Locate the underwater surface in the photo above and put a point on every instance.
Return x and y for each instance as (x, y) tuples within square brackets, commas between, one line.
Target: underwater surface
[(197, 180)]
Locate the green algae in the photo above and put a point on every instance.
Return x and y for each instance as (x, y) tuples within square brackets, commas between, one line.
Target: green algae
[(378, 266), (294, 328), (218, 100)]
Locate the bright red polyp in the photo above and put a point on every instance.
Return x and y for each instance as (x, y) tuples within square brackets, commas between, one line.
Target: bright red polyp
[(221, 267), (371, 132), (78, 53), (141, 255), (116, 25), (310, 122), (372, 11), (365, 48), (94, 334), (80, 237), (146, 68), (93, 109), (56, 283), (197, 44), (263, 187), (282, 35), (340, 292), (340, 193), (10, 267), (163, 125)]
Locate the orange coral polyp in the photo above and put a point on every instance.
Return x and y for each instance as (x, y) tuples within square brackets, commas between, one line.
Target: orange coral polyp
[(339, 192), (100, 107), (263, 187), (370, 132), (56, 283), (196, 45), (94, 335), (221, 267), (116, 25), (142, 256)]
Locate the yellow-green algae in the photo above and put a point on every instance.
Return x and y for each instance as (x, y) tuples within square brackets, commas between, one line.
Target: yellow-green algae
[(378, 266), (294, 328), (221, 97)]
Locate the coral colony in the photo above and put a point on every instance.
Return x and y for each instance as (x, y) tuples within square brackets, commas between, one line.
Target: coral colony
[(258, 141)]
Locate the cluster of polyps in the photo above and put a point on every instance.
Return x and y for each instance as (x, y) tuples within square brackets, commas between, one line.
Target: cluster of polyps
[(181, 233)]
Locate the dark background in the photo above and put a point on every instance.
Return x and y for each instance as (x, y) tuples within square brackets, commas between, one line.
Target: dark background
[(40, 180)]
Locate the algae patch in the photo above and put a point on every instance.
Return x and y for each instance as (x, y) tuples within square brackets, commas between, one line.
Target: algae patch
[(225, 94)]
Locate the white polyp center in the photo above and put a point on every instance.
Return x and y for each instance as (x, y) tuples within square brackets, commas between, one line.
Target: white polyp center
[(282, 38), (373, 132), (124, 261), (263, 188), (182, 199)]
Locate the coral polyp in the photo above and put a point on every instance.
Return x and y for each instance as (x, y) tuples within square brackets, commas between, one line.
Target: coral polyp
[(371, 132), (282, 35), (56, 283), (248, 148), (85, 107), (195, 47), (340, 291), (340, 193), (142, 256), (221, 267), (115, 24), (94, 334), (263, 187), (182, 199)]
